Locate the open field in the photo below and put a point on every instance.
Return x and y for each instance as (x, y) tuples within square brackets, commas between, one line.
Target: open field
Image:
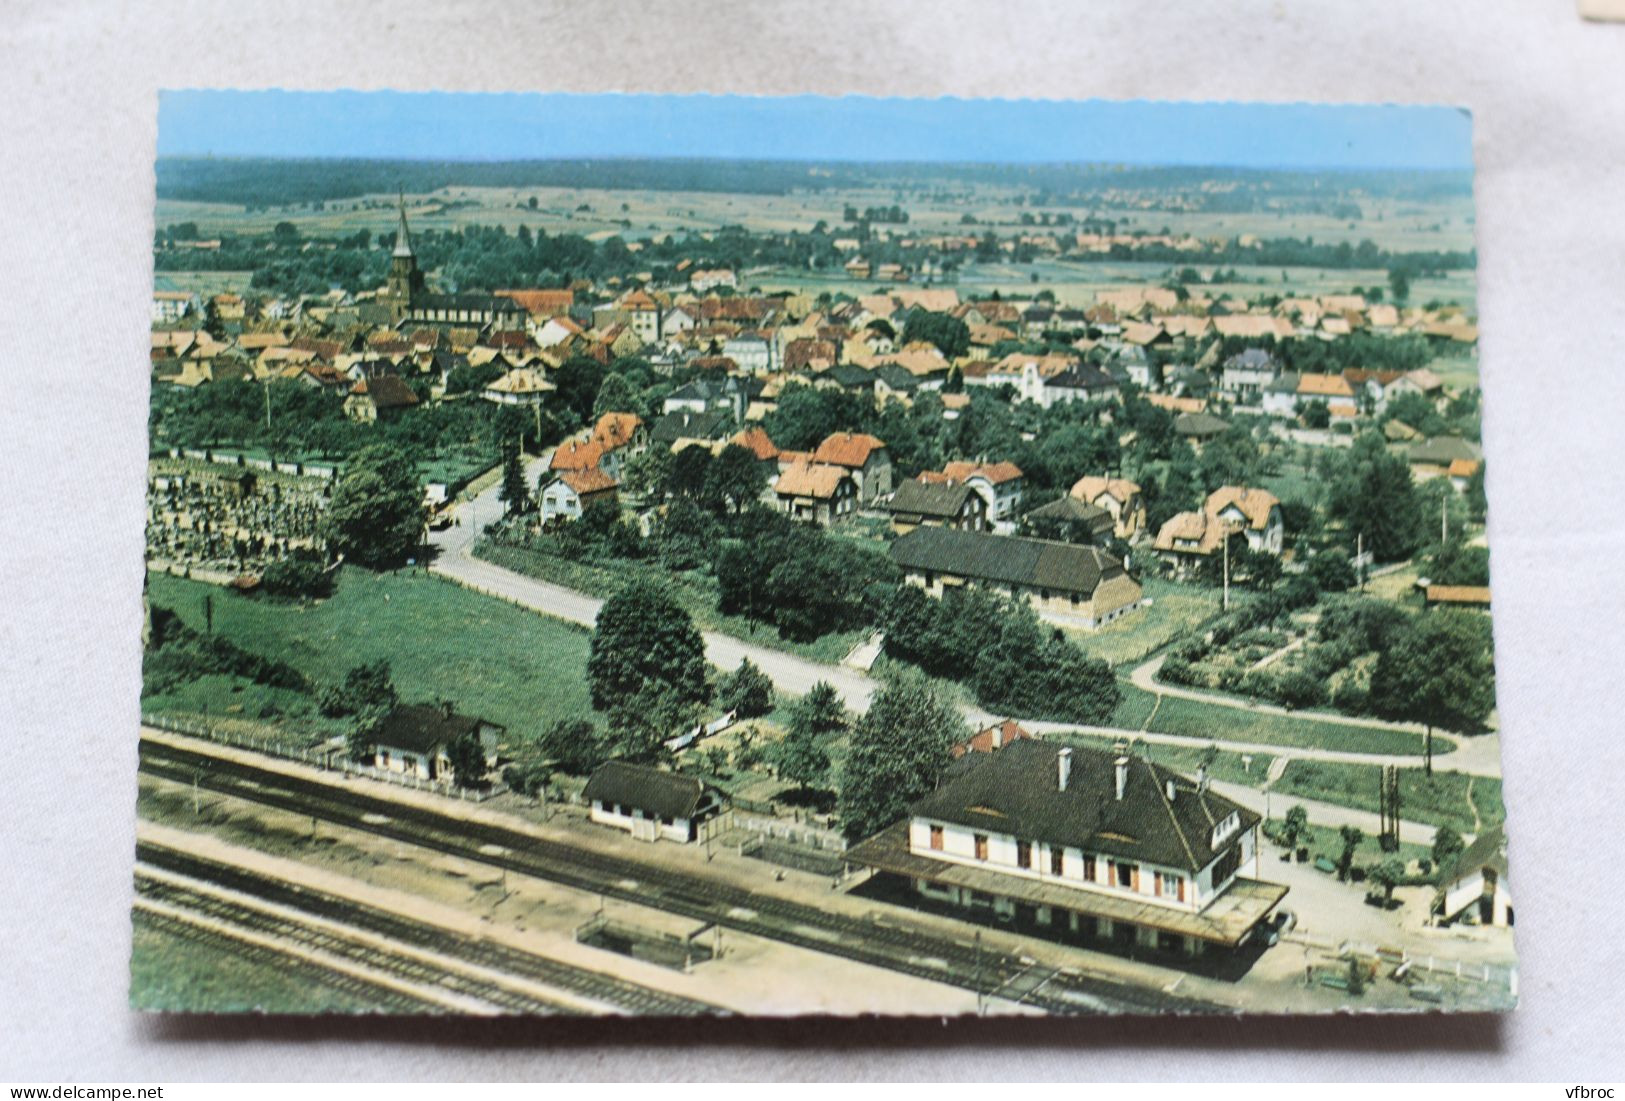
[(1441, 800), (1195, 719), (442, 641), (1445, 223), (1175, 611), (697, 594)]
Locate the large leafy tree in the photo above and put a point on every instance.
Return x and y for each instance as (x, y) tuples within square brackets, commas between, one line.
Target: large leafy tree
[(899, 748), (1372, 493), (615, 395), (646, 665), (736, 477), (747, 690), (376, 516), (950, 334), (1439, 671)]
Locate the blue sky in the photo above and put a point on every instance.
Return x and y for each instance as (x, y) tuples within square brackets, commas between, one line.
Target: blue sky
[(514, 126)]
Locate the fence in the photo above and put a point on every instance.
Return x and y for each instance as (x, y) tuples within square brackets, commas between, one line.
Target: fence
[(792, 831), (1403, 960), (319, 756)]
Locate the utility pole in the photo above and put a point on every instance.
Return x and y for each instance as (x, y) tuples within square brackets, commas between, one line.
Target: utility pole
[(1227, 569), (1359, 557), (267, 403), (1444, 520)]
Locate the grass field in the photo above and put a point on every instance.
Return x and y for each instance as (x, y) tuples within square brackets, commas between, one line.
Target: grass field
[(697, 594), (488, 657), (171, 973), (1195, 719), (1439, 800), (1175, 611)]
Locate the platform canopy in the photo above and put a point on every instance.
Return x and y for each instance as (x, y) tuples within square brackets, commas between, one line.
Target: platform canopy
[(1226, 920)]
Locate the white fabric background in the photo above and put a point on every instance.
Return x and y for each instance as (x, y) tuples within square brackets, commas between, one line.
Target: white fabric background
[(76, 190)]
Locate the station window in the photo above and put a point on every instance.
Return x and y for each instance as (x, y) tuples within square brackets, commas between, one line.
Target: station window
[(936, 838), (1057, 860), (981, 846), (1024, 854), (1125, 875), (1089, 868)]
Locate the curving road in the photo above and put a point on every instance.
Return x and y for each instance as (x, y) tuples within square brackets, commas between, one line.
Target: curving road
[(795, 675)]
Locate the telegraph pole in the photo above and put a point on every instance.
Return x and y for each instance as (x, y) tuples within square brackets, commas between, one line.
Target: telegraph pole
[(1227, 568)]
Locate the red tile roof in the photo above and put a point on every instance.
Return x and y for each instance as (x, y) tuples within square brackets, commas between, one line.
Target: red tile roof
[(848, 449)]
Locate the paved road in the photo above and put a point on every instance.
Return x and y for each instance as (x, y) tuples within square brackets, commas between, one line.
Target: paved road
[(795, 675), (1480, 756)]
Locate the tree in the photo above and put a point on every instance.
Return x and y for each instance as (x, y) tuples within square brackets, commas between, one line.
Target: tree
[(1447, 845), (1387, 874), (950, 334), (574, 745), (615, 395), (1399, 283), (1316, 414), (514, 493), (1439, 671), (365, 688), (376, 515), (646, 664), (800, 758), (820, 710), (645, 474), (735, 476), (1295, 827), (1331, 571), (683, 536), (899, 748), (578, 379), (1372, 494), (1351, 836), (467, 757), (747, 691)]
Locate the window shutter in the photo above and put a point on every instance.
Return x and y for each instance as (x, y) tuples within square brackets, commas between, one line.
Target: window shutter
[(1156, 882), (1134, 877), (1181, 885)]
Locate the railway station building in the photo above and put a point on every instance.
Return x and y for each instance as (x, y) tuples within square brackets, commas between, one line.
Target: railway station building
[(1084, 845), (648, 803)]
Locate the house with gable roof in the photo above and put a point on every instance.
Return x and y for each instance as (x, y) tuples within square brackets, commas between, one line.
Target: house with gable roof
[(1081, 842), (865, 457)]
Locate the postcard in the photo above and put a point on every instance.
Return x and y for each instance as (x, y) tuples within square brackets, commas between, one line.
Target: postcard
[(713, 555)]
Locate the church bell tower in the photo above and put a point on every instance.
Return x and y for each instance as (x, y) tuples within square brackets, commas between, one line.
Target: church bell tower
[(404, 278)]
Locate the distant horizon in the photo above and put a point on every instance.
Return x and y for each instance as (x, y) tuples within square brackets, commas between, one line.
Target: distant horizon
[(538, 127)]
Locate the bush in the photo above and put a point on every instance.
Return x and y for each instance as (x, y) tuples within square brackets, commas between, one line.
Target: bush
[(747, 690), (1299, 690), (296, 577), (1352, 697)]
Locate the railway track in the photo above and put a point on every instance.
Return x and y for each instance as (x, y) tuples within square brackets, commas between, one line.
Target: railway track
[(377, 996), (894, 947), (406, 968), (609, 990)]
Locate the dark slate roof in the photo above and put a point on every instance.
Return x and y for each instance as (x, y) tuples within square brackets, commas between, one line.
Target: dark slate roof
[(940, 500), (849, 376), (897, 377), (424, 727), (1086, 379), (1199, 424), (1006, 559), (1016, 791), (663, 794), (1069, 508), (682, 424)]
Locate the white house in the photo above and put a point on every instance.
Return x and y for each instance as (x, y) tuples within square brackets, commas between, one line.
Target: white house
[(416, 740), (1084, 842), (1475, 888), (649, 804), (569, 493)]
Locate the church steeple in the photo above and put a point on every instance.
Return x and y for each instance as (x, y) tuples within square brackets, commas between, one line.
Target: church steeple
[(404, 278), (403, 237)]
